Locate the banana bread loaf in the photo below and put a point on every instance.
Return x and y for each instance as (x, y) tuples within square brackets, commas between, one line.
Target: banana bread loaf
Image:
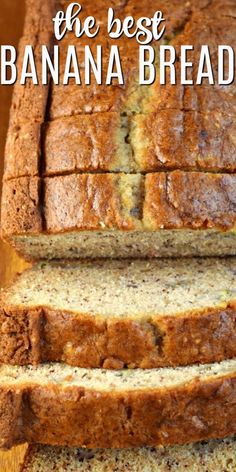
[(211, 456), (132, 171), (116, 314), (60, 405)]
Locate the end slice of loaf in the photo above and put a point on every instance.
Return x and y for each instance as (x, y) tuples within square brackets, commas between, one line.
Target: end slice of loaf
[(115, 314), (211, 456), (59, 405)]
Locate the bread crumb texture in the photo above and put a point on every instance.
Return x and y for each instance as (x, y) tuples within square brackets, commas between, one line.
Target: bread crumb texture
[(127, 288), (211, 456)]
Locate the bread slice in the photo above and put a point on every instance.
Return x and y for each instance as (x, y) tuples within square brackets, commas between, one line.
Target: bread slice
[(121, 215), (60, 405), (211, 456), (115, 314)]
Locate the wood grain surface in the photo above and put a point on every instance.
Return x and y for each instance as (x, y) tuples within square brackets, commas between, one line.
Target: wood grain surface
[(11, 21)]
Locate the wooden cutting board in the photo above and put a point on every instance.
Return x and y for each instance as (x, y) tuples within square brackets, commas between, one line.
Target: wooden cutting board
[(11, 21)]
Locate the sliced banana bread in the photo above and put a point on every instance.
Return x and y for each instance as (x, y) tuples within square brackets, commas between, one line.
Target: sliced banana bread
[(60, 405), (211, 456), (119, 215), (114, 314)]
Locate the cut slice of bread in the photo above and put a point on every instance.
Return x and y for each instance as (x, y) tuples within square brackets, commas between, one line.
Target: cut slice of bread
[(211, 456), (60, 405), (116, 314), (121, 215)]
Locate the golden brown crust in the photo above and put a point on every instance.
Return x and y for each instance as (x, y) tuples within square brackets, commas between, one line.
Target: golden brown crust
[(221, 13), (45, 335), (22, 111), (93, 98), (10, 412), (190, 200), (97, 10), (183, 26), (205, 98), (72, 99), (202, 99), (75, 416), (39, 16), (178, 14), (81, 144), (85, 202), (190, 141)]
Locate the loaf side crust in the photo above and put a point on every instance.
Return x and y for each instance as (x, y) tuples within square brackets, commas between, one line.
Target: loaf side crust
[(72, 416), (38, 334)]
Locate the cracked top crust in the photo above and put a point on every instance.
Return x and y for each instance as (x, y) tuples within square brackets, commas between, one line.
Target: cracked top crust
[(189, 200)]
